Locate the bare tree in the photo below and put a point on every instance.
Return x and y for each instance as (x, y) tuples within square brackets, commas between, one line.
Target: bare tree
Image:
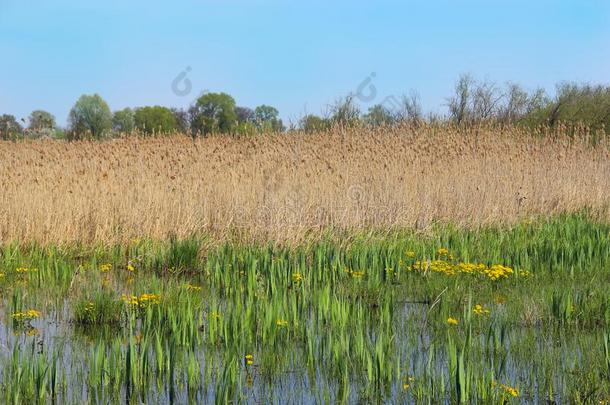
[(516, 105), (345, 112), (458, 104), (412, 110), (485, 101), (538, 100)]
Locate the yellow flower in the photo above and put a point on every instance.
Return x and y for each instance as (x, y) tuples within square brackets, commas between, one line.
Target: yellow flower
[(296, 277), (442, 252), (89, 307), (410, 253), (249, 359), (142, 301), (480, 310), (32, 332), (357, 274), (281, 323), (447, 268), (105, 267), (130, 267), (146, 299), (25, 270), (191, 287), (452, 321), (406, 382), (26, 316), (513, 392)]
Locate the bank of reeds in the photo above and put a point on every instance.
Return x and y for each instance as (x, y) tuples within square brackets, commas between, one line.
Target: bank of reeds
[(291, 186)]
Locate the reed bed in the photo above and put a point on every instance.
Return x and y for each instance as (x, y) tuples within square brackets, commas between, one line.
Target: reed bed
[(293, 186)]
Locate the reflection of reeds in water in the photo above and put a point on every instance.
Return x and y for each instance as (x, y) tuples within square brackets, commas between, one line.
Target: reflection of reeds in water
[(288, 186)]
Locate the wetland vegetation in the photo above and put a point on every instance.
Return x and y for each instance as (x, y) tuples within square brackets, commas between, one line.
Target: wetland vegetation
[(499, 314)]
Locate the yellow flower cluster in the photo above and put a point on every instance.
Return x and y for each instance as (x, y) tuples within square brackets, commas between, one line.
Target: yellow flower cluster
[(406, 383), (297, 277), (249, 359), (513, 392), (25, 270), (26, 316), (130, 267), (281, 323), (215, 315), (390, 271), (143, 300), (444, 252), (498, 271), (354, 274), (452, 321), (495, 272), (89, 307), (104, 268), (480, 310)]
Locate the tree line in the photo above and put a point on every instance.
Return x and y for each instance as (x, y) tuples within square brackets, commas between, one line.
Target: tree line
[(471, 103)]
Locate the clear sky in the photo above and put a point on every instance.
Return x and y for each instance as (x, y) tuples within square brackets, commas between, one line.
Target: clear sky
[(297, 56)]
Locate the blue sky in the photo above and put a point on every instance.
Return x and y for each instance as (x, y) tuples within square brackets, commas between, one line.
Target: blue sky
[(297, 56)]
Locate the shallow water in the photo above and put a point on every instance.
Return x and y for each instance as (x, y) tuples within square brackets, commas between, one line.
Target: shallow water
[(415, 345)]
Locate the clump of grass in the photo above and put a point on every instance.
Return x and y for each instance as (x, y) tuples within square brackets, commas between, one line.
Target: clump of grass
[(100, 308)]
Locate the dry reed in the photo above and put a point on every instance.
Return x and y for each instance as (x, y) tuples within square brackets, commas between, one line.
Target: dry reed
[(285, 187)]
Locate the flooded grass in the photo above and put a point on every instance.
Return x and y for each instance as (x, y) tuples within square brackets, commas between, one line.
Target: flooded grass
[(496, 315)]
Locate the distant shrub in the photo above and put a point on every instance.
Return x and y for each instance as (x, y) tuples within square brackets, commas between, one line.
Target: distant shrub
[(575, 104), (42, 124), (378, 115), (267, 118), (90, 116), (123, 120), (155, 119), (213, 113), (182, 120), (313, 123), (345, 112), (244, 115), (9, 127)]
